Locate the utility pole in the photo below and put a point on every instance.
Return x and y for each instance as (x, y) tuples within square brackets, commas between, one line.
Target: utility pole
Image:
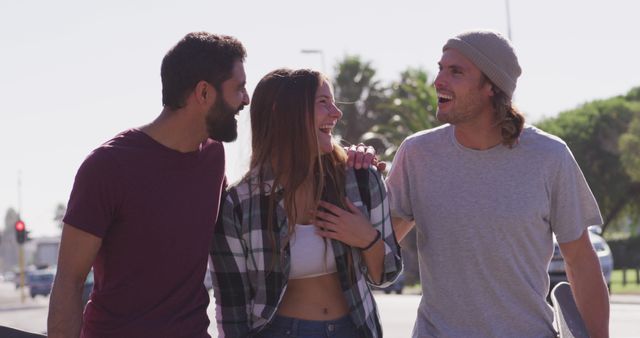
[(20, 245), (508, 21)]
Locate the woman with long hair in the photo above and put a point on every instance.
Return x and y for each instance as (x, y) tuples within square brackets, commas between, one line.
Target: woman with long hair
[(301, 237)]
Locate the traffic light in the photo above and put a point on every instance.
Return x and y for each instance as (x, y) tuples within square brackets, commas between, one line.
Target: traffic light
[(21, 232)]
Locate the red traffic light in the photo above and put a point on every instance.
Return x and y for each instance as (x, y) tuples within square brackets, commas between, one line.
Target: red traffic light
[(21, 233), (19, 226)]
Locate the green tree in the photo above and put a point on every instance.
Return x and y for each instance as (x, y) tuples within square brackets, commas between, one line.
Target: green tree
[(630, 150), (8, 245), (633, 95), (593, 133), (630, 141), (10, 219), (59, 213)]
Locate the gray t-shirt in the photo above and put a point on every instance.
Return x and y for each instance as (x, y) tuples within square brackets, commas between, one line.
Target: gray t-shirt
[(484, 222)]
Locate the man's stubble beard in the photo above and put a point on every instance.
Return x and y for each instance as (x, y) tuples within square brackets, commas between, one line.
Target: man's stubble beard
[(467, 110)]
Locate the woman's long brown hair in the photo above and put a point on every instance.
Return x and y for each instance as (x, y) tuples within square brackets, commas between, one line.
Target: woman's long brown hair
[(284, 139)]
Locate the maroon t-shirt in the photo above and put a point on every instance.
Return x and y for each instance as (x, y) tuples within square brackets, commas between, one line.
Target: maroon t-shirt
[(155, 209)]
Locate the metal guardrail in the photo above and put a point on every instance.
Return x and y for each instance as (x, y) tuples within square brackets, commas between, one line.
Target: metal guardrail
[(624, 275)]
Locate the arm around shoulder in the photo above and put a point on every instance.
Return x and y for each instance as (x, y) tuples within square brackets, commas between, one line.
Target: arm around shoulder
[(78, 250)]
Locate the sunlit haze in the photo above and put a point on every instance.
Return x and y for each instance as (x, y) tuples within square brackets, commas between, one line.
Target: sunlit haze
[(75, 73)]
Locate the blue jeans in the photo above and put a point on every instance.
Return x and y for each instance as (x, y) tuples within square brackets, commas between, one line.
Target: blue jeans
[(281, 327)]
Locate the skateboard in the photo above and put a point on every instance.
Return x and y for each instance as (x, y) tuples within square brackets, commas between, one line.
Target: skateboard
[(567, 318)]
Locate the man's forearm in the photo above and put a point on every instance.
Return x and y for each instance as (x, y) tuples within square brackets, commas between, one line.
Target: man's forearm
[(591, 295), (65, 309)]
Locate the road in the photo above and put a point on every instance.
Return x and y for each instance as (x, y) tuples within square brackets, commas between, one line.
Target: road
[(397, 313)]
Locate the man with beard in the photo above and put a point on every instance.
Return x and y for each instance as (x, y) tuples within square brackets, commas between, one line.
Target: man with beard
[(487, 194), (144, 204)]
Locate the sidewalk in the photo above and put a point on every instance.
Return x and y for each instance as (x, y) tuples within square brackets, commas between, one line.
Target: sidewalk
[(625, 299), (30, 316), (10, 299)]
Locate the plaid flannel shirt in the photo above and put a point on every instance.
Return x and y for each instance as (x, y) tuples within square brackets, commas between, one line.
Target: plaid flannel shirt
[(247, 295)]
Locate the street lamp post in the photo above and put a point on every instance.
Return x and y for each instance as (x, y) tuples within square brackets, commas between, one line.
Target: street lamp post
[(508, 21), (316, 51)]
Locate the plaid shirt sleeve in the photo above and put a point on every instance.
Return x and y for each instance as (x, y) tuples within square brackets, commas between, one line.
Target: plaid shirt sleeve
[(231, 285), (380, 218)]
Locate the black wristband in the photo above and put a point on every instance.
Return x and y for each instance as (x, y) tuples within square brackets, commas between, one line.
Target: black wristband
[(372, 242)]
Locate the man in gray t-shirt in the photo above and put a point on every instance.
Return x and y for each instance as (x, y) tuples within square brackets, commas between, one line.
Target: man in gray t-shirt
[(488, 192)]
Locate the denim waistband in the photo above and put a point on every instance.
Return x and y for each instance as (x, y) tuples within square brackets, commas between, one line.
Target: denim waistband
[(307, 326)]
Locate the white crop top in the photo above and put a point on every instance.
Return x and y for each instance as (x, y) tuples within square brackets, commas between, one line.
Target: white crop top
[(309, 255)]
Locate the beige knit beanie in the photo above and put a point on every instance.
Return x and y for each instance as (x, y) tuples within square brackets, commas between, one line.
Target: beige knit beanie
[(492, 53)]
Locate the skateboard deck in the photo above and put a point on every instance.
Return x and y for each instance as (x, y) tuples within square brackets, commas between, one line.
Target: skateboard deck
[(567, 318)]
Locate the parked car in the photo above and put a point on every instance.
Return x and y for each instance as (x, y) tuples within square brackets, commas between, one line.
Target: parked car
[(16, 276), (557, 271), (40, 282), (396, 286)]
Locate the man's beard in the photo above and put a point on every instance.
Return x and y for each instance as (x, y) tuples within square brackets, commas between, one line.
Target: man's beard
[(221, 122), (466, 109)]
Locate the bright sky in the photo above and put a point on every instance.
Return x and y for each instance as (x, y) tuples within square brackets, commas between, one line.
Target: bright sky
[(75, 73)]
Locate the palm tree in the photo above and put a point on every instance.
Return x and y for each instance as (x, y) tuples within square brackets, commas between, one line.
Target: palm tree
[(411, 104), (358, 94)]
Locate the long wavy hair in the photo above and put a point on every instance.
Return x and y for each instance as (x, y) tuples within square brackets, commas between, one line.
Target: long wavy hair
[(508, 117), (284, 139)]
